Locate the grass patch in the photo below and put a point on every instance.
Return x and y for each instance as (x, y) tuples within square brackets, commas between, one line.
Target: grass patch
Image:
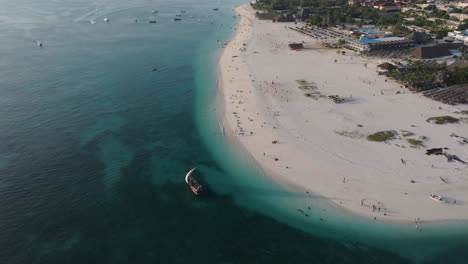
[(406, 133), (302, 82), (440, 120), (305, 85), (415, 142), (382, 136), (464, 112)]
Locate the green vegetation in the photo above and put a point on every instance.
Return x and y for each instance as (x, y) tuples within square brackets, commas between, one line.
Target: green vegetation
[(415, 142), (382, 136), (406, 133), (332, 12), (424, 138), (305, 85), (442, 120), (437, 27), (420, 74), (463, 112), (458, 75)]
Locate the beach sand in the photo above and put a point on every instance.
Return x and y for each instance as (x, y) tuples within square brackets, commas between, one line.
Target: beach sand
[(322, 147)]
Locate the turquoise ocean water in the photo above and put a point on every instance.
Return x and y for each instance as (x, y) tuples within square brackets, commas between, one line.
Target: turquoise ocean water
[(95, 146)]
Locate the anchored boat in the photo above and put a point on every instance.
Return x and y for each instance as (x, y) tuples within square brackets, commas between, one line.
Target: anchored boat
[(196, 188), (437, 198)]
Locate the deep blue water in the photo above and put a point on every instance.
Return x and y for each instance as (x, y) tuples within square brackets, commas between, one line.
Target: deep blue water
[(95, 144)]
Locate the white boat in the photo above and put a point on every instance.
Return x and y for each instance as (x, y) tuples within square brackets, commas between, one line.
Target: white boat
[(106, 20), (187, 176), (154, 11), (436, 198), (92, 21)]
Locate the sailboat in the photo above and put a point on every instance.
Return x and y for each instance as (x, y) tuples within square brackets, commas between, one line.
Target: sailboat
[(196, 188)]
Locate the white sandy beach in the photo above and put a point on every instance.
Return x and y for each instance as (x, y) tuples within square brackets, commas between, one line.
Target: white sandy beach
[(322, 146)]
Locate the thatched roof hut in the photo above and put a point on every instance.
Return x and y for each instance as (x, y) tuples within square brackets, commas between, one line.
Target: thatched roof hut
[(386, 66)]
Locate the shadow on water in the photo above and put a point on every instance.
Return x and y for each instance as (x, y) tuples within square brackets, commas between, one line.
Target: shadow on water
[(167, 224), (95, 160)]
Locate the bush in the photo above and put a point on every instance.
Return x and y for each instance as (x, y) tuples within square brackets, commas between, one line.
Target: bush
[(415, 142), (440, 120), (382, 136), (459, 75)]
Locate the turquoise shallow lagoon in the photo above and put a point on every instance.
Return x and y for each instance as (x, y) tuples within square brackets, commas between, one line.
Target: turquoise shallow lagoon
[(95, 146)]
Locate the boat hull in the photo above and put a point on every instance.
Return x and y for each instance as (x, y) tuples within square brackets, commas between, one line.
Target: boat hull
[(196, 188)]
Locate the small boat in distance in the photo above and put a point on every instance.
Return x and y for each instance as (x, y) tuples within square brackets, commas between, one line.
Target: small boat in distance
[(215, 9), (436, 198), (152, 21), (92, 21), (154, 11), (177, 19), (196, 188), (106, 20)]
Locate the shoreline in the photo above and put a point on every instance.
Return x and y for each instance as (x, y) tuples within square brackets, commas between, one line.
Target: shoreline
[(246, 120)]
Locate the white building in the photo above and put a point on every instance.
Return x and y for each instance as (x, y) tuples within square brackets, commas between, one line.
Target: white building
[(459, 35)]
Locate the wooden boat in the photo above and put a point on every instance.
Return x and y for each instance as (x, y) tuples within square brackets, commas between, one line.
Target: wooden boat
[(196, 188), (177, 19), (152, 21)]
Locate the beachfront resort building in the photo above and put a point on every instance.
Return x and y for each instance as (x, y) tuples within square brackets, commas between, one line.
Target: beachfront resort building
[(459, 35), (386, 5), (364, 45), (370, 33), (445, 22), (414, 28)]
